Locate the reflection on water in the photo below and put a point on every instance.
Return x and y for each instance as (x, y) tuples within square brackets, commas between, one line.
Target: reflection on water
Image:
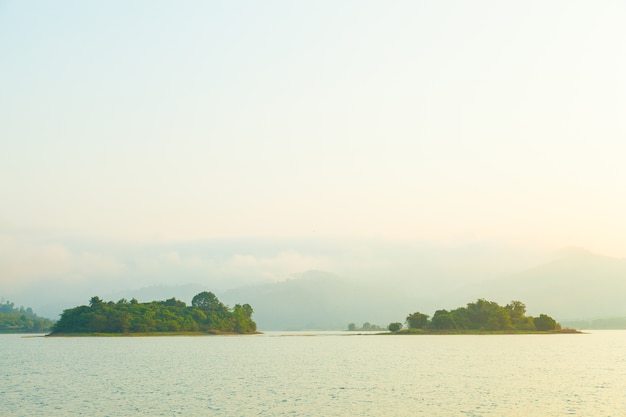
[(333, 375)]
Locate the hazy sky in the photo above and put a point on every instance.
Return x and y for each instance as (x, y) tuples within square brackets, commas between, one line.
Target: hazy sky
[(160, 121)]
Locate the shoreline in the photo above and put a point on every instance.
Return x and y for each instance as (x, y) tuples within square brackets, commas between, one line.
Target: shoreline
[(150, 334), (420, 332)]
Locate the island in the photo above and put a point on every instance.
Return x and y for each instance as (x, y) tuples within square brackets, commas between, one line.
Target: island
[(206, 315), (21, 320), (479, 317)]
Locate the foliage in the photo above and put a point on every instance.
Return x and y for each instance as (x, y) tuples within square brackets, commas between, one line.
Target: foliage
[(206, 314), (21, 320), (417, 320), (394, 327), (519, 320), (546, 323), (442, 319), (367, 327), (483, 315)]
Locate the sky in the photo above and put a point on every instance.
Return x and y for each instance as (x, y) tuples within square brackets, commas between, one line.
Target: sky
[(155, 123)]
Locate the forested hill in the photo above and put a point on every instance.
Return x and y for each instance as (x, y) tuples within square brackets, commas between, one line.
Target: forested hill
[(206, 314), (21, 320)]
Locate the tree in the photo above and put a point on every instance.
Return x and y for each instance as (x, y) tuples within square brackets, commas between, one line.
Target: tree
[(95, 301), (519, 320), (443, 320), (417, 320), (516, 309), (173, 302), (394, 327), (488, 315), (207, 302), (242, 319), (352, 327), (545, 323)]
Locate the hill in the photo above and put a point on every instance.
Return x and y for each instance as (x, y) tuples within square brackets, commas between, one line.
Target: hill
[(577, 285), (324, 301)]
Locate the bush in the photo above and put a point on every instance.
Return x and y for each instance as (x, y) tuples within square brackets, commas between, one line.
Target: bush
[(394, 327)]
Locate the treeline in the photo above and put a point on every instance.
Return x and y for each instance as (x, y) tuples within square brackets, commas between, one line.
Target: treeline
[(21, 320), (367, 327), (481, 315), (206, 314)]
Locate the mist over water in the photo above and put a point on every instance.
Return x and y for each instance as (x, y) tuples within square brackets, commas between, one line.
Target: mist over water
[(322, 374)]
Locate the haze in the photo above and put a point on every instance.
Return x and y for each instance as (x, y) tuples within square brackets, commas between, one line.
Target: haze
[(234, 143)]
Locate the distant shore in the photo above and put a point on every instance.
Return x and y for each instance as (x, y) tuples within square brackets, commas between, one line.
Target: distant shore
[(479, 332), (151, 334)]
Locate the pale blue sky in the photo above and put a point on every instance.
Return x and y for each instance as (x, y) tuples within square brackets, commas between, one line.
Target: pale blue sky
[(409, 120)]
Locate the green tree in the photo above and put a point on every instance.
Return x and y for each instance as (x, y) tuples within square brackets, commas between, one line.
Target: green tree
[(443, 320), (488, 315), (95, 302), (461, 319), (208, 302), (517, 313), (394, 327), (242, 319), (545, 323), (417, 320)]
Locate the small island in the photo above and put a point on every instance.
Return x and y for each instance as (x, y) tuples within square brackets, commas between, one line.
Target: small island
[(21, 320), (206, 315), (480, 317)]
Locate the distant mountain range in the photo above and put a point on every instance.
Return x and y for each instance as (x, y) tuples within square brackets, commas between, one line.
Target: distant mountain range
[(576, 286), (320, 300), (314, 300)]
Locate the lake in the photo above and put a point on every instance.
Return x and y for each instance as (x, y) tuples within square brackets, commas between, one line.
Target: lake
[(315, 374)]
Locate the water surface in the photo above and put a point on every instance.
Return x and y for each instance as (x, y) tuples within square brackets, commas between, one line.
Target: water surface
[(320, 375)]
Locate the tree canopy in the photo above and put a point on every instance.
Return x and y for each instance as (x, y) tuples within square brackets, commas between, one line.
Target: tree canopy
[(367, 327), (206, 314), (417, 320), (394, 327), (482, 315), (21, 320)]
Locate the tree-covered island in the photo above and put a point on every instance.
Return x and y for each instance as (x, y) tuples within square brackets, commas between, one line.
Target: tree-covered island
[(205, 315), (21, 320), (481, 316)]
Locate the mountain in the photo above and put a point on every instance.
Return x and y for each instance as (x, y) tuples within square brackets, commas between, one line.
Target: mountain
[(377, 283), (380, 271), (321, 300), (576, 285)]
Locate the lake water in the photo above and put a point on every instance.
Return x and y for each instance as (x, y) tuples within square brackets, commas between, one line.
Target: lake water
[(285, 374)]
